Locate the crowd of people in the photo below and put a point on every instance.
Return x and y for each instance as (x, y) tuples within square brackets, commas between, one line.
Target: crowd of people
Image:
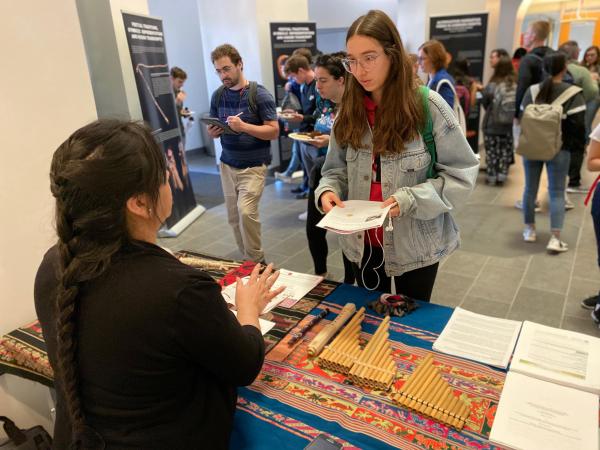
[(390, 129)]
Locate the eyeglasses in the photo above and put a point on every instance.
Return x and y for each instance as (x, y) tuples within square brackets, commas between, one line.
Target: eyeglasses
[(367, 62), (225, 69)]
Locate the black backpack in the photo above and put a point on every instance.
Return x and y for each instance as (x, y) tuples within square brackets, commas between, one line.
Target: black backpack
[(252, 88), (35, 438)]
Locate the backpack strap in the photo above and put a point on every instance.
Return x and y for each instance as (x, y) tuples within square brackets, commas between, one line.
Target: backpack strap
[(427, 133), (535, 90), (252, 89), (571, 91), (218, 95)]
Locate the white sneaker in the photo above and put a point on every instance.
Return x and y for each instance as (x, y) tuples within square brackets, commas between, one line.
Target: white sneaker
[(568, 204), (555, 245), (577, 189), (529, 234), (281, 176), (303, 216), (519, 205)]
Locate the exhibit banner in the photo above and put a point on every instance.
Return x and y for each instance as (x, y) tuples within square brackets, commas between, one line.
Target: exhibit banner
[(285, 38), (464, 36), (146, 42)]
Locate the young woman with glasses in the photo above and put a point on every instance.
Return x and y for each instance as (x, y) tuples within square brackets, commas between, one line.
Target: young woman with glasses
[(376, 152)]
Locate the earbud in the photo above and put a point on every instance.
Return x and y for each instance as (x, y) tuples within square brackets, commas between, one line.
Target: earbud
[(390, 225)]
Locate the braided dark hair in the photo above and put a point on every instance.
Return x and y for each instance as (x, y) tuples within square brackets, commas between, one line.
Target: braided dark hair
[(93, 174)]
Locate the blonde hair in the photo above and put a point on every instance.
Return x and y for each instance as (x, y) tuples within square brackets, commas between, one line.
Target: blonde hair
[(540, 29)]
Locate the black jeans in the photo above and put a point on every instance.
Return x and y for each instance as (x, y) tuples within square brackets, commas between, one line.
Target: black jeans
[(417, 283), (575, 167), (317, 240)]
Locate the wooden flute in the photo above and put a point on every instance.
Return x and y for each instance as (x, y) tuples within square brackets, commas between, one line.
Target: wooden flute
[(300, 333)]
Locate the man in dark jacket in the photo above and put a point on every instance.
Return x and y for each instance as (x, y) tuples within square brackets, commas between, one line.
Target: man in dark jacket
[(531, 67)]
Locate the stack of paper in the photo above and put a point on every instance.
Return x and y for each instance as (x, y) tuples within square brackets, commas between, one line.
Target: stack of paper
[(535, 414), (297, 285), (480, 338), (265, 325), (559, 356), (355, 216)]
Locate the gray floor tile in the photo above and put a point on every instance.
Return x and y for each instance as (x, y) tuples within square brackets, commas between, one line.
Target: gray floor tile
[(538, 306), (496, 283), (581, 325), (464, 263), (450, 288), (515, 262), (484, 306), (549, 272)]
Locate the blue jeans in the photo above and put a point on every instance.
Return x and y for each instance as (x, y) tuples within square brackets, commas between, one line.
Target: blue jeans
[(557, 169), (294, 163)]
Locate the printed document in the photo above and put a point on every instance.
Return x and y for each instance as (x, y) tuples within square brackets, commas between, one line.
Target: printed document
[(297, 285), (559, 356), (478, 337), (534, 414), (355, 216), (265, 325)]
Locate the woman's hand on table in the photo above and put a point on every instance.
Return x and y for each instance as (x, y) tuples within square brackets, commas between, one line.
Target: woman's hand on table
[(252, 297), (328, 200)]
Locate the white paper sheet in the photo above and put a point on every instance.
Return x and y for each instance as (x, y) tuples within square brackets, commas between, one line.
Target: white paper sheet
[(356, 215), (535, 414), (478, 337), (297, 285), (265, 325), (559, 356)]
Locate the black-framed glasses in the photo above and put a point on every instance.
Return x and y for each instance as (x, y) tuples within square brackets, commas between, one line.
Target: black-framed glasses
[(367, 62)]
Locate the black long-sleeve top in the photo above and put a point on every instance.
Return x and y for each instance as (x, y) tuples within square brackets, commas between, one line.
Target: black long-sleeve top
[(531, 71), (159, 353)]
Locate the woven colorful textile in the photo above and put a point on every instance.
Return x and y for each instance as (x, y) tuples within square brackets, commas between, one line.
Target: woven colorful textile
[(293, 400), (23, 353)]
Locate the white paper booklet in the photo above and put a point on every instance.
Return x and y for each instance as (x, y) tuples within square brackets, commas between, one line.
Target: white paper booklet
[(265, 325), (480, 338), (297, 285), (560, 356), (356, 215), (534, 414)]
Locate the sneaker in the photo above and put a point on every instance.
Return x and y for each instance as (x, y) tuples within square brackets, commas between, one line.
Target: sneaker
[(529, 234), (502, 178), (555, 245), (590, 302), (579, 189), (303, 216), (568, 204), (297, 190), (283, 177), (491, 181), (519, 205), (596, 315), (302, 196)]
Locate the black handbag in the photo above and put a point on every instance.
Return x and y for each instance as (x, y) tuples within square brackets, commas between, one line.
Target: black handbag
[(34, 438)]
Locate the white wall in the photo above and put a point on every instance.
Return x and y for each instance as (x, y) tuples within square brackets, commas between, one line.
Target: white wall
[(507, 23), (412, 23), (47, 95), (341, 13), (183, 38)]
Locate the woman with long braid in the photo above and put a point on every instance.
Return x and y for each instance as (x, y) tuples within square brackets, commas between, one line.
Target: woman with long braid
[(145, 351)]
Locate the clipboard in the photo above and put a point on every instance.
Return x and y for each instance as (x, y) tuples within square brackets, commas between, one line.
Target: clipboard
[(217, 123)]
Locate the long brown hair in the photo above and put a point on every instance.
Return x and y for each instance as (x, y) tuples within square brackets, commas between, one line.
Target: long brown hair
[(504, 71), (92, 175), (400, 115)]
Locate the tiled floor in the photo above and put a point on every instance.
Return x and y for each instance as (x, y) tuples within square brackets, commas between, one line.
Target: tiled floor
[(494, 272)]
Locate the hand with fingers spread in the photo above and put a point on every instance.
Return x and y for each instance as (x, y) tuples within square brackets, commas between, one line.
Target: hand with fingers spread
[(252, 297), (395, 209), (328, 200)]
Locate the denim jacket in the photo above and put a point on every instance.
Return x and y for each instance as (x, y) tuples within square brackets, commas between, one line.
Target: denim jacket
[(425, 231)]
